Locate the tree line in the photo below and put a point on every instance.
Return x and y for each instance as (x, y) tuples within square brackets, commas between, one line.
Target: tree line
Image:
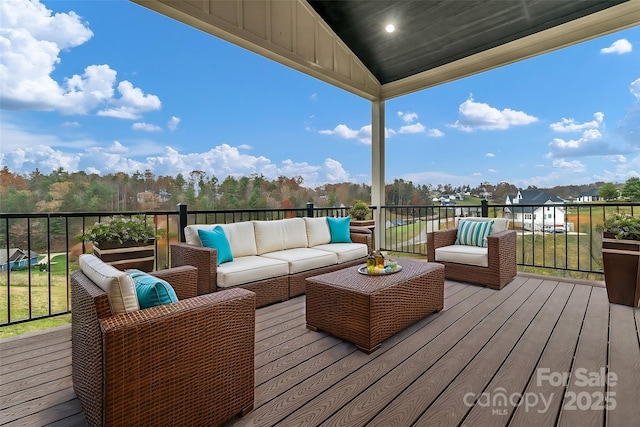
[(62, 191)]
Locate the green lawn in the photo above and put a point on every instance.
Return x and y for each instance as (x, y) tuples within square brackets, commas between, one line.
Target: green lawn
[(34, 288)]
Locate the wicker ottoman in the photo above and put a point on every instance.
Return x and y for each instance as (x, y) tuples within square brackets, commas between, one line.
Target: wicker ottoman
[(366, 310)]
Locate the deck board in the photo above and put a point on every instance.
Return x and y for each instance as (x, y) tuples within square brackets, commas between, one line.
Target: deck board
[(484, 341), (557, 356)]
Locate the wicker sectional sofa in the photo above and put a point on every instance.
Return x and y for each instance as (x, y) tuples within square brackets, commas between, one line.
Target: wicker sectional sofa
[(270, 258)]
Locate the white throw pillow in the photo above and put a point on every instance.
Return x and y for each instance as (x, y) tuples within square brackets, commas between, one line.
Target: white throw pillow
[(117, 284)]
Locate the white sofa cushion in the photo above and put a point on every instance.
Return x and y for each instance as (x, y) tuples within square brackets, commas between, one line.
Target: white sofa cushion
[(318, 232), (117, 284), (281, 234), (241, 236), (250, 269), (345, 251), (499, 224), (463, 254), (303, 259)]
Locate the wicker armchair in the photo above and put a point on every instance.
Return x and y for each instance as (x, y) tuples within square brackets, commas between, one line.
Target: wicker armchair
[(501, 256), (187, 363)]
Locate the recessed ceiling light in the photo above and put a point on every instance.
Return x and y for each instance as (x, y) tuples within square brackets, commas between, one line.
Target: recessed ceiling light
[(390, 28)]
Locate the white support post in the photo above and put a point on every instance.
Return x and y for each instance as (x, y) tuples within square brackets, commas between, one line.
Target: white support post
[(377, 169)]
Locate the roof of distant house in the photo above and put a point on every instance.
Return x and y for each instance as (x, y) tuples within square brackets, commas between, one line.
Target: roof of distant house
[(535, 197), (593, 192), (15, 254)]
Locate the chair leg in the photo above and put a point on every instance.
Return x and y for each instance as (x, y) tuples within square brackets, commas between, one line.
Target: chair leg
[(246, 410)]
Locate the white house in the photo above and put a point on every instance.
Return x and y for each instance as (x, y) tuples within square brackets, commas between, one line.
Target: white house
[(536, 210), (588, 196)]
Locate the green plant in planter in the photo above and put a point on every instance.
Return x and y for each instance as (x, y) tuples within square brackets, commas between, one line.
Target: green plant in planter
[(360, 210), (120, 229), (624, 226)]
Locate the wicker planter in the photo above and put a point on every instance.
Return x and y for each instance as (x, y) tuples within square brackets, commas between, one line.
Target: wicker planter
[(362, 222), (138, 255), (621, 259)]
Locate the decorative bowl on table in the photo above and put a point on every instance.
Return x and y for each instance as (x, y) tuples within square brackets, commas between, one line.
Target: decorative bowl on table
[(377, 271)]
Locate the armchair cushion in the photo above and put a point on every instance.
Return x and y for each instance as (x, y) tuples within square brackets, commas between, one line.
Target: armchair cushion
[(339, 228), (473, 233), (151, 290), (217, 239), (117, 284), (463, 254)]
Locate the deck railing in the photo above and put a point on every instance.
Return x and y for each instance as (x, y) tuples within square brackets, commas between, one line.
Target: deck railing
[(38, 287)]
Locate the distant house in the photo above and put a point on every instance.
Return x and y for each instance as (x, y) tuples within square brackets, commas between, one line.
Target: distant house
[(17, 258), (149, 196), (588, 196), (548, 209)]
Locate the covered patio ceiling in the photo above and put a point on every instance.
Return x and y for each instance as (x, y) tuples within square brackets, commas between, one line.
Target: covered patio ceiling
[(344, 42)]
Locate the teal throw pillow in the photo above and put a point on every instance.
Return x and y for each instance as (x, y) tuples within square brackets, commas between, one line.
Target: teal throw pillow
[(339, 229), (152, 291), (473, 233), (216, 239)]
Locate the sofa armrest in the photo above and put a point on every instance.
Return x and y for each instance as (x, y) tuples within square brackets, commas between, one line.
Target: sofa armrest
[(204, 259), (155, 355), (438, 239), (361, 235), (184, 280)]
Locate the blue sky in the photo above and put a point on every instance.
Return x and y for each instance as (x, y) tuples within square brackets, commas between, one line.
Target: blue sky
[(109, 86)]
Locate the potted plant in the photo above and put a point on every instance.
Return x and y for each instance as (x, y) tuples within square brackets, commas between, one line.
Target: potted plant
[(124, 242), (361, 214), (621, 258)]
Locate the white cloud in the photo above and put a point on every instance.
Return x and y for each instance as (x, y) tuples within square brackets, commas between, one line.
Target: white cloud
[(591, 143), (71, 124), (245, 147), (492, 170), (477, 174), (31, 39), (39, 156), (146, 127), (634, 88), (617, 158), (477, 115), (408, 117), (572, 166), (619, 46), (489, 155), (334, 171), (173, 122), (412, 128), (363, 135), (570, 125), (131, 103), (435, 133), (314, 96)]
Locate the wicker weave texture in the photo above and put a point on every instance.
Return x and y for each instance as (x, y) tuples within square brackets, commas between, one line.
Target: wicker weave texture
[(366, 310), (501, 253), (298, 281), (187, 363)]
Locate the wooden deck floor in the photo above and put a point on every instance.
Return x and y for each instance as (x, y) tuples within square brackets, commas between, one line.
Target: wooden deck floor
[(489, 358)]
